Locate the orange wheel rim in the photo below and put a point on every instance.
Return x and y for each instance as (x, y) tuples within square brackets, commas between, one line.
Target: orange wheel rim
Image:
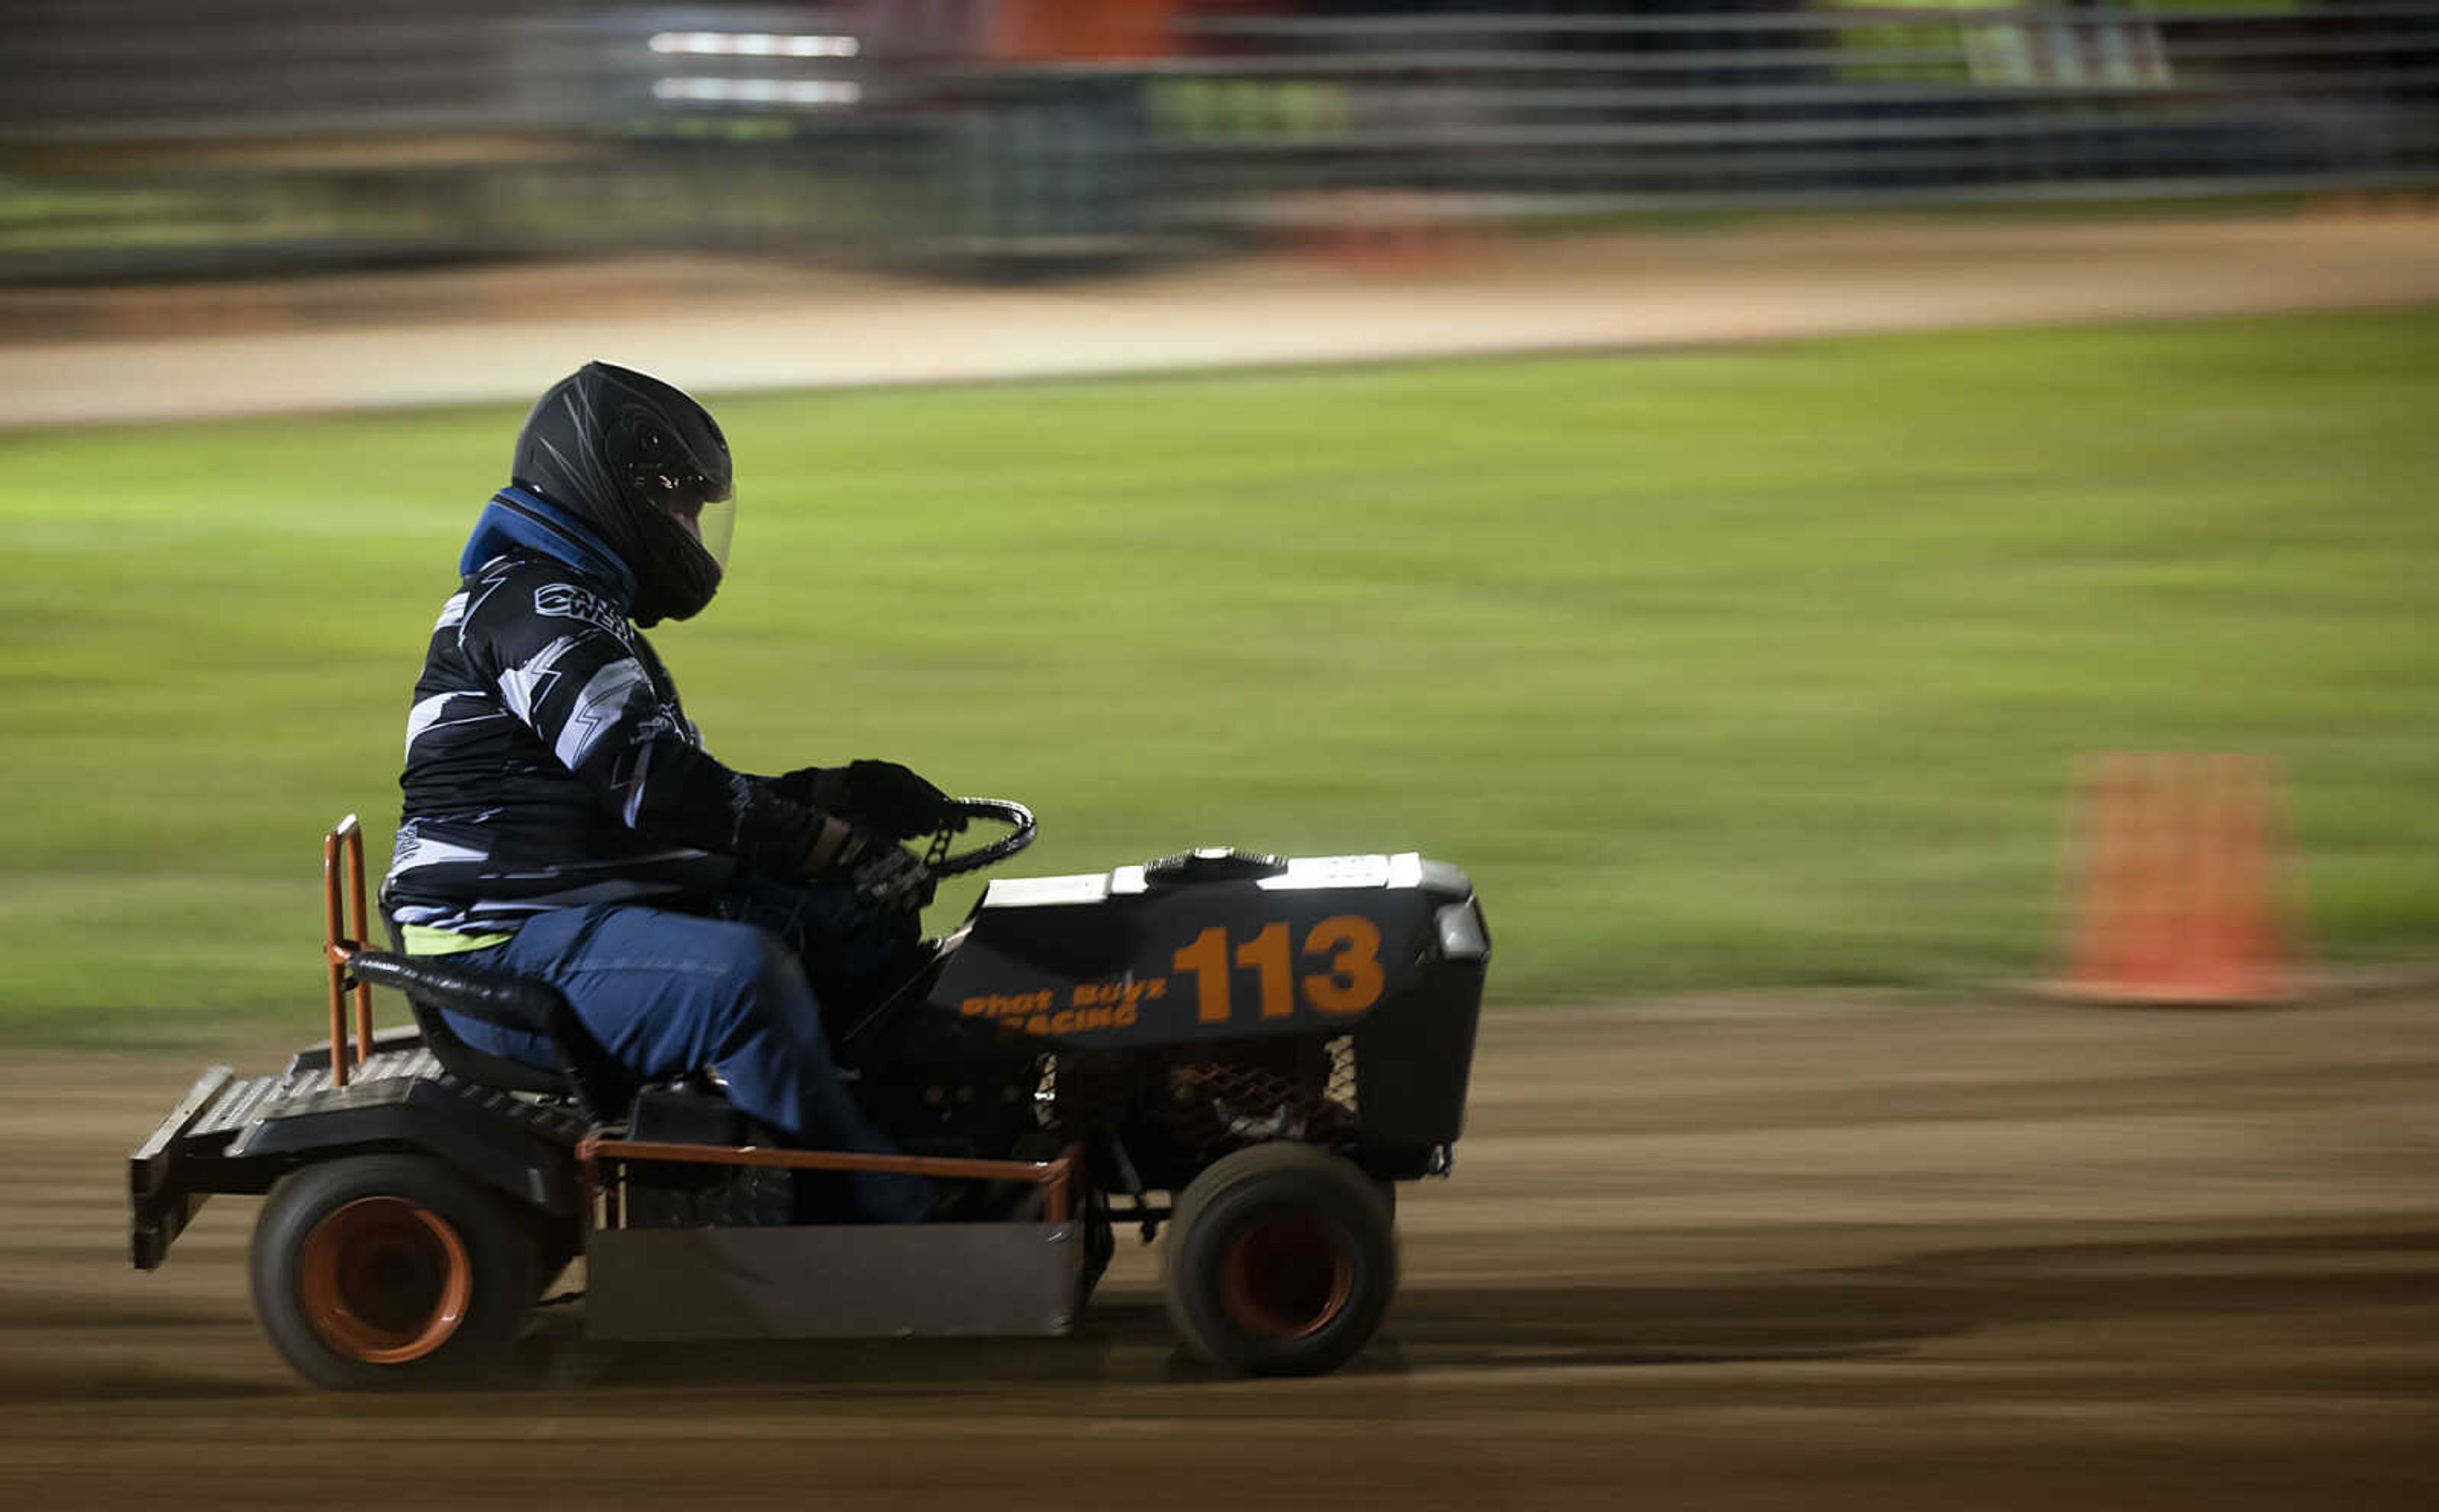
[(1285, 1275), (384, 1280)]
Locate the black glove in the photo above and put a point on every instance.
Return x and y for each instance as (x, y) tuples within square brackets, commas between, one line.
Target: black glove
[(873, 867), (878, 795), (898, 801), (823, 787)]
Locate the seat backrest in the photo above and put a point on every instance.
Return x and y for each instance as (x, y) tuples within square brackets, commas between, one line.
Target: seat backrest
[(434, 986), (481, 1067)]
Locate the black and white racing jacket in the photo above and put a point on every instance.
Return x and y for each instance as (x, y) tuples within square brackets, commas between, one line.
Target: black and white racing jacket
[(550, 765)]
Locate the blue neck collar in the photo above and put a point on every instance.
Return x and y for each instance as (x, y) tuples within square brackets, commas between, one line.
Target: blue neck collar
[(516, 517)]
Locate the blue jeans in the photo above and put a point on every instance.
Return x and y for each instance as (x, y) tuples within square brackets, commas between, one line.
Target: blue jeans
[(665, 993)]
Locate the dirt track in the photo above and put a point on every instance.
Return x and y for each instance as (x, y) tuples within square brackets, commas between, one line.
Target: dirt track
[(1790, 1253), (503, 335)]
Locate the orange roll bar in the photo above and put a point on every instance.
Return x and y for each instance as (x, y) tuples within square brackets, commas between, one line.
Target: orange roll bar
[(343, 935)]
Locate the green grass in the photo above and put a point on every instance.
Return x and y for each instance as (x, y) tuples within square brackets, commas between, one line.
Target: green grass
[(1749, 667)]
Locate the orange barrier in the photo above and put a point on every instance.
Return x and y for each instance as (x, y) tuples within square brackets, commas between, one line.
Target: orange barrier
[(2174, 884)]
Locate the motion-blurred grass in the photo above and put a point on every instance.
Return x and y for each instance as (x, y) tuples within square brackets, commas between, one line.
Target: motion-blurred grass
[(1748, 668)]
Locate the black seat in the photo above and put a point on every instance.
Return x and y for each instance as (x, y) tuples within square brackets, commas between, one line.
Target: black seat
[(587, 1076)]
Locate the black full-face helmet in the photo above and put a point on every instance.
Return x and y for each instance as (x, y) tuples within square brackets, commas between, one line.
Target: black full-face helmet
[(646, 468)]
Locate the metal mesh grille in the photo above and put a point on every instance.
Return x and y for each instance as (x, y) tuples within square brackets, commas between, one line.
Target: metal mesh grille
[(1214, 1097), (1285, 1089)]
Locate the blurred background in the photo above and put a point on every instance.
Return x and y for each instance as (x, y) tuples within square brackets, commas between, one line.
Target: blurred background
[(992, 137), (1722, 471), (1744, 662)]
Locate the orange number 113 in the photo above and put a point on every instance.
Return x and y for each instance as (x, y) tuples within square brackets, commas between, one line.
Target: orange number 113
[(1349, 943)]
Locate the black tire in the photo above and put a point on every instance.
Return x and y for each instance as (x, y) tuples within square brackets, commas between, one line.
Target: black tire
[(1282, 1260), (387, 1272)]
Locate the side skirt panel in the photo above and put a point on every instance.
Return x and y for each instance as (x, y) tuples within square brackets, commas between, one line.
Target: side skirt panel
[(929, 1280)]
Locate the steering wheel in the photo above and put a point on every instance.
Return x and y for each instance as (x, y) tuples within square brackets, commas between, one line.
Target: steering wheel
[(937, 859)]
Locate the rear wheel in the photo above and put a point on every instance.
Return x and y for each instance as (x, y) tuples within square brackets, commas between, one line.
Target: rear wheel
[(1282, 1260), (387, 1272)]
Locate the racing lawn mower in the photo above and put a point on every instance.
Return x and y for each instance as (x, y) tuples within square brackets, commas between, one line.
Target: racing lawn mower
[(1248, 1050)]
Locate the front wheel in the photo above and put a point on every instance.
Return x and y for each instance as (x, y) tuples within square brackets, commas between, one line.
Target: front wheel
[(1282, 1261), (389, 1272)]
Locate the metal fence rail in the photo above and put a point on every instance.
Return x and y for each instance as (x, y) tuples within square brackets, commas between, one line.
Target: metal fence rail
[(141, 136), (1497, 113)]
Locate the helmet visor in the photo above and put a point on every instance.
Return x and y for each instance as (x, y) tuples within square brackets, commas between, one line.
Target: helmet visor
[(706, 512)]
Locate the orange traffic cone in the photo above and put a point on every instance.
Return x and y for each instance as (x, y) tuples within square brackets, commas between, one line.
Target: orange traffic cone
[(2175, 885)]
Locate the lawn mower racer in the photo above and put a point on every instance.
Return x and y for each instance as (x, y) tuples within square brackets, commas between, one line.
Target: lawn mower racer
[(676, 1020), (563, 822)]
